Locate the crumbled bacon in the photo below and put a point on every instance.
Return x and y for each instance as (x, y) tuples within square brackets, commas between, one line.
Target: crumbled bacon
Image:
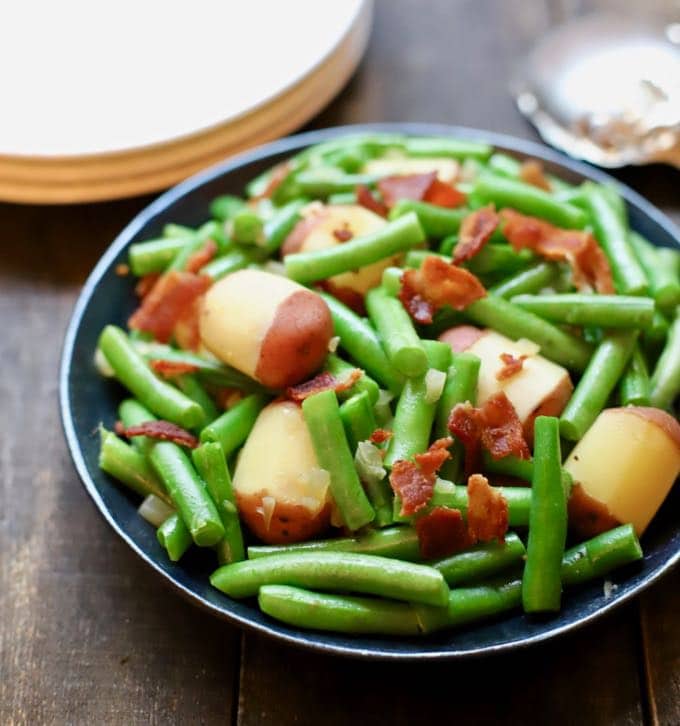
[(122, 270), (323, 382), (353, 299), (296, 237), (435, 285), (278, 175), (171, 368), (161, 430), (495, 426), (413, 482), (201, 257), (380, 436), (588, 262), (532, 173), (367, 199), (442, 194), (227, 397), (430, 462), (146, 284), (187, 331), (511, 366), (442, 532), (475, 231), (173, 294), (405, 186), (344, 234), (487, 514)]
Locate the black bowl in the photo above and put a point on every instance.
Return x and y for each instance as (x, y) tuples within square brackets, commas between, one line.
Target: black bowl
[(87, 399)]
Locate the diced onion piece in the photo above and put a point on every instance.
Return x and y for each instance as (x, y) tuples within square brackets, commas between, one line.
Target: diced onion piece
[(434, 385), (102, 364), (608, 588), (333, 343), (155, 510), (369, 463)]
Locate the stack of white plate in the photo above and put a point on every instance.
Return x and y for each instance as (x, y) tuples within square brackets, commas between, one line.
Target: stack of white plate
[(107, 100)]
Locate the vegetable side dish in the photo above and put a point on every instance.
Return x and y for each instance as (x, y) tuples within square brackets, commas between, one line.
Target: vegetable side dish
[(427, 383)]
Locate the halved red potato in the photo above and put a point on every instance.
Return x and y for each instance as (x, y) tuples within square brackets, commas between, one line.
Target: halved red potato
[(329, 225), (282, 493), (623, 468), (539, 388), (447, 169), (266, 326)]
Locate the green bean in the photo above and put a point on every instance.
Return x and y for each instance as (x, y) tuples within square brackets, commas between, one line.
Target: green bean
[(528, 200), (659, 264), (359, 339), (400, 543), (444, 146), (358, 419), (505, 165), (435, 221), (174, 537), (231, 429), (391, 280), (190, 385), (396, 236), (280, 224), (542, 583), (188, 493), (612, 233), (504, 317), (598, 381), (340, 368), (438, 354), (509, 466), (132, 371), (155, 255), (247, 227), (350, 571), (337, 613), (657, 332), (211, 464), (665, 381), (234, 260), (415, 258), (599, 555), (177, 230), (400, 341), (129, 466), (635, 388), (323, 420), (447, 246), (225, 207), (132, 413), (202, 234), (322, 181), (612, 311), (482, 560), (499, 258), (531, 280), (342, 198)]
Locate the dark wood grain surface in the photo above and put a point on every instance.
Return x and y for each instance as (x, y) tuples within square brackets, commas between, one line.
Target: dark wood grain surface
[(89, 636)]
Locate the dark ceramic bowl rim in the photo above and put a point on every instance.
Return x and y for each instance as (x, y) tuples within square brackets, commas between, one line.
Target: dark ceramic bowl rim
[(313, 639)]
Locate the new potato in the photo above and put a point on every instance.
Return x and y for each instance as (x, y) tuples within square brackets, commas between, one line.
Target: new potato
[(282, 493), (266, 326)]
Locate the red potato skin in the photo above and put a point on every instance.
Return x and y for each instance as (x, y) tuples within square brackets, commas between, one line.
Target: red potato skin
[(461, 337), (588, 516), (553, 405), (296, 342), (289, 523)]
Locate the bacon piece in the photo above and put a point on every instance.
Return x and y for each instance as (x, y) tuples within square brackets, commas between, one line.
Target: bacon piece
[(297, 236), (475, 231), (201, 257), (430, 462), (173, 294), (323, 382), (465, 423), (353, 299), (380, 436), (511, 366), (366, 199), (278, 175), (146, 283), (405, 186), (344, 234), (414, 482), (122, 270), (187, 331), (532, 173), (487, 514), (171, 368), (160, 430), (442, 194), (442, 532), (225, 398), (586, 258), (435, 285)]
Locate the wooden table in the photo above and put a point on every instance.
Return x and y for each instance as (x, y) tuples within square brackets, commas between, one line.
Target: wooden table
[(90, 636)]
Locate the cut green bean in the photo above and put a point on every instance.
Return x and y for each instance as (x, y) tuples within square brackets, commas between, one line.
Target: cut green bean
[(211, 464), (174, 537), (344, 571), (280, 224), (190, 385), (665, 382), (400, 543), (342, 198), (657, 332), (612, 233), (444, 146), (612, 311), (132, 413), (231, 429), (177, 230), (358, 419), (129, 466), (155, 255), (435, 221), (482, 560), (542, 582), (132, 371), (188, 493), (528, 199), (396, 236), (234, 260), (202, 234), (508, 319), (527, 281), (509, 466), (322, 181), (340, 368), (598, 381), (499, 259), (247, 227), (659, 264), (635, 387), (325, 427), (438, 354), (226, 206), (400, 341), (359, 339)]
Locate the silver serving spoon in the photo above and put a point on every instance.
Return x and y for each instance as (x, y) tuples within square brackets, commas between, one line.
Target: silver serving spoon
[(606, 88)]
